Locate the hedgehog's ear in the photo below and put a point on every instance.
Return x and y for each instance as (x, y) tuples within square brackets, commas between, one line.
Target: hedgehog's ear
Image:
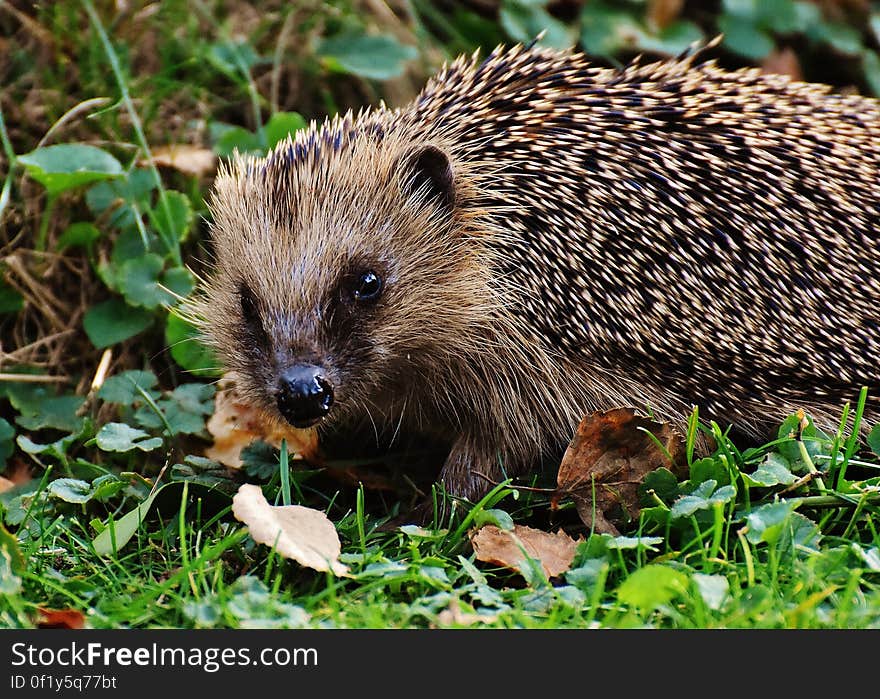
[(427, 171)]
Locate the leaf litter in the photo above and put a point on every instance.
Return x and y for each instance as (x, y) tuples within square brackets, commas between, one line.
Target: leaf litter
[(511, 548), (293, 531), (607, 461), (235, 425)]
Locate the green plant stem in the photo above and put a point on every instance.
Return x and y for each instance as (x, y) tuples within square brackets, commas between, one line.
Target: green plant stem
[(747, 554), (184, 544), (4, 139), (838, 500), (702, 548), (693, 424), (853, 441), (359, 518), (10, 156), (284, 472), (717, 530), (4, 193), (855, 516), (42, 235), (44, 481), (173, 246), (811, 467), (598, 591), (835, 447), (487, 501)]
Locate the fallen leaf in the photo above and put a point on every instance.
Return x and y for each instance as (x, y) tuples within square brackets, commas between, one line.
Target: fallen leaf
[(454, 616), (784, 62), (60, 619), (192, 160), (662, 13), (300, 533), (610, 455), (18, 471), (235, 424), (5, 484), (509, 548)]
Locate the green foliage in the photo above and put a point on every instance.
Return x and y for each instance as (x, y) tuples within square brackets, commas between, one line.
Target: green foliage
[(373, 57), (247, 603), (714, 590), (873, 439), (171, 217), (111, 322), (609, 28), (204, 472), (228, 139), (652, 586), (10, 583), (281, 125), (7, 441), (118, 533), (766, 523), (82, 234), (183, 410), (128, 387), (186, 349), (39, 408), (10, 550), (117, 436), (259, 460), (705, 496), (70, 165), (234, 58), (10, 300), (70, 490), (773, 470), (523, 20)]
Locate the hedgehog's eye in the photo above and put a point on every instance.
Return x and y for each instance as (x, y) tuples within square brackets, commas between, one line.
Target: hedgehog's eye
[(250, 311), (248, 303), (367, 287)]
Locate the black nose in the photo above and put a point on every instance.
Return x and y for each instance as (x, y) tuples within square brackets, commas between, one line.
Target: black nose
[(304, 395)]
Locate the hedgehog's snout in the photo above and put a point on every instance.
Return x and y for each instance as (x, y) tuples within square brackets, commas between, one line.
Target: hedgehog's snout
[(304, 395)]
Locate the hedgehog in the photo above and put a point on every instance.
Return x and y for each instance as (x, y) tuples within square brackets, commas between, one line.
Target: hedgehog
[(535, 237)]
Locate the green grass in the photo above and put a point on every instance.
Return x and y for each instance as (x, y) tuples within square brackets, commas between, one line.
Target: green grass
[(784, 535), (810, 561)]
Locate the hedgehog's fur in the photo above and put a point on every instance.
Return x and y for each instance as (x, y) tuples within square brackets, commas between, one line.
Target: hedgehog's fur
[(663, 235)]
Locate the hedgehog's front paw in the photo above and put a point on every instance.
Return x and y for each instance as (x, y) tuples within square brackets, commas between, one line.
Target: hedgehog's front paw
[(470, 470)]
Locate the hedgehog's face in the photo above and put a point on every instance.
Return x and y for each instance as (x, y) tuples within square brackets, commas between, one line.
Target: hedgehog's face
[(336, 280)]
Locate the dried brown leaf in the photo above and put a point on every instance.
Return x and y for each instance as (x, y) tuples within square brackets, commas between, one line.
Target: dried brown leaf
[(454, 616), (300, 533), (61, 619), (510, 548), (191, 160), (5, 484), (18, 471), (662, 13), (610, 455), (235, 424), (784, 62)]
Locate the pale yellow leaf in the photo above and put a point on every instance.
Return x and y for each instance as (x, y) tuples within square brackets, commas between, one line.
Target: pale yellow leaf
[(296, 532), (235, 424), (192, 160)]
